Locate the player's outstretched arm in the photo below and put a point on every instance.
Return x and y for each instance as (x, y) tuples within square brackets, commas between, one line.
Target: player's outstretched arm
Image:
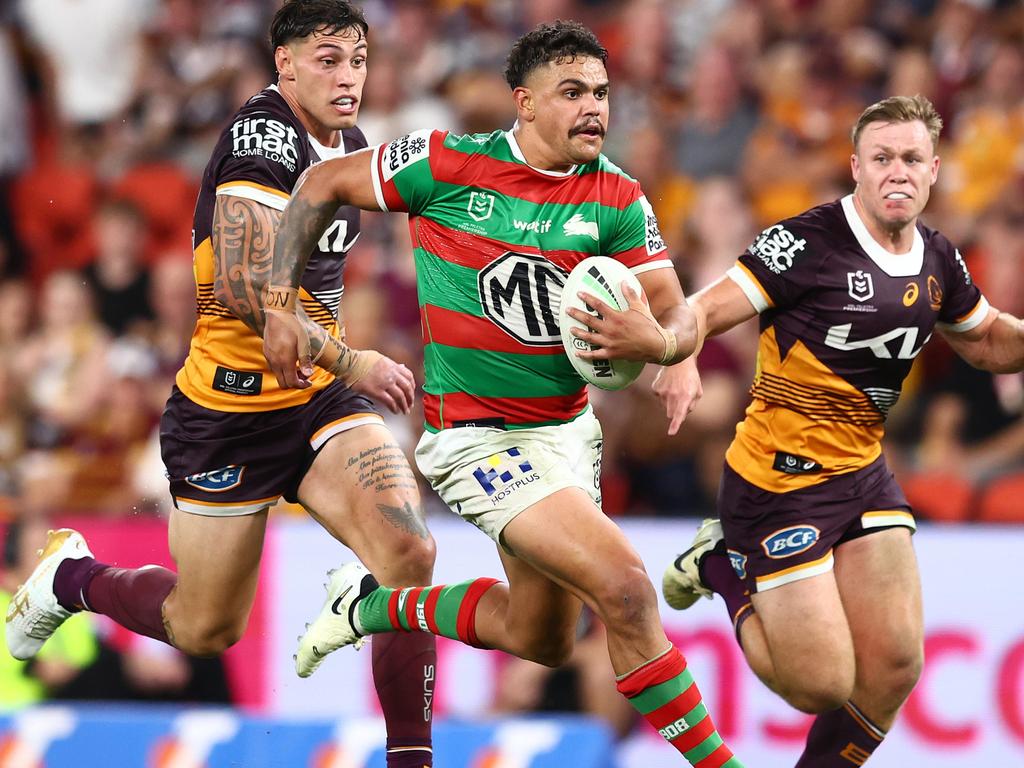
[(996, 344)]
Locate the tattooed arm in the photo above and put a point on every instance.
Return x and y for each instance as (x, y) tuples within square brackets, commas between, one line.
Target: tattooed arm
[(243, 250), (321, 190)]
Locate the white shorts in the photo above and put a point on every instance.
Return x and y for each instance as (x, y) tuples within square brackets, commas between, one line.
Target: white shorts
[(488, 476)]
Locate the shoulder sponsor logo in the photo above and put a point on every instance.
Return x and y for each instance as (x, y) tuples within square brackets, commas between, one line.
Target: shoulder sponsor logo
[(778, 248), (790, 541), (502, 474), (738, 562), (653, 240), (265, 137), (539, 227), (963, 266), (403, 152), (934, 293), (480, 206), (861, 287), (217, 480), (520, 294), (577, 226)]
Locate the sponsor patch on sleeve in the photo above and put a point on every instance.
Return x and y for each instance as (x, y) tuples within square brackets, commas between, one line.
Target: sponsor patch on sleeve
[(403, 152), (777, 248), (266, 137), (652, 232)]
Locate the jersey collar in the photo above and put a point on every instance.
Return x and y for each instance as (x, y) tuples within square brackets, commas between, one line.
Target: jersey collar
[(893, 264), (324, 153), (517, 153)]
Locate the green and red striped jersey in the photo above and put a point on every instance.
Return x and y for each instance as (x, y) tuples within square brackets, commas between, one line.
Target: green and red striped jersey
[(494, 239)]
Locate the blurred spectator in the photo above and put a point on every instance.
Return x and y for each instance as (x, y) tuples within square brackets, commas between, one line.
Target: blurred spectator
[(714, 135), (118, 278), (14, 146), (77, 38)]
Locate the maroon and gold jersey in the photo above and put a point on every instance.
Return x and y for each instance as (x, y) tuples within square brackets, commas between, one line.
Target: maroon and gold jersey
[(260, 156), (842, 320)]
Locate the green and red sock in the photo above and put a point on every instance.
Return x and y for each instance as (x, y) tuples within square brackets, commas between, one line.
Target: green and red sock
[(663, 691), (446, 610)]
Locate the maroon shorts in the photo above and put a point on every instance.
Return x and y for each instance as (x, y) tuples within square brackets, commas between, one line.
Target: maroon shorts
[(776, 538), (224, 463)]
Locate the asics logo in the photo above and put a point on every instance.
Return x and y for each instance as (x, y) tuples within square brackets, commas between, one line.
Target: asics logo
[(336, 605)]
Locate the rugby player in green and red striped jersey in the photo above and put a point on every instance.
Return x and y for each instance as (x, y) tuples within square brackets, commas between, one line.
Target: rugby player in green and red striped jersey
[(511, 444)]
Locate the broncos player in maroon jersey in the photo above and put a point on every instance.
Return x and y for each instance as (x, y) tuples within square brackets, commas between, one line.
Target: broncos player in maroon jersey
[(813, 550)]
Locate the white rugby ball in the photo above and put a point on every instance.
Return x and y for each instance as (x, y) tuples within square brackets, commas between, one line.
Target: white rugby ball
[(602, 277)]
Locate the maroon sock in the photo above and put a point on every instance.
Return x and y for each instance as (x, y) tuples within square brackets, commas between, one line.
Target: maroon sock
[(71, 581), (134, 598), (404, 671), (716, 572), (840, 739)]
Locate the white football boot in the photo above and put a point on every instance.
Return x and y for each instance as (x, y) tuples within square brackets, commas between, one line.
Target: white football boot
[(681, 584), (335, 627), (34, 613)]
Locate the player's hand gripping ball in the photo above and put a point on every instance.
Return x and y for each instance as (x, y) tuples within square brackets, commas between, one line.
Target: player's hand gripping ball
[(602, 277)]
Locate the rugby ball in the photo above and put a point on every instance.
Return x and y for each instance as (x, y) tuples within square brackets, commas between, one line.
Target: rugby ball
[(602, 277)]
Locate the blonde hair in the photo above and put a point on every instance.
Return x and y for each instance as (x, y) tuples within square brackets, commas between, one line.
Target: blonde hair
[(900, 109)]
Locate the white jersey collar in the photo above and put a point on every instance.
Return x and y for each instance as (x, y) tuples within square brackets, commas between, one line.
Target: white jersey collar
[(517, 153), (324, 153), (893, 264)]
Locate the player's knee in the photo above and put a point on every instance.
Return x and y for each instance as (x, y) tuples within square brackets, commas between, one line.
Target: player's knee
[(204, 639), (817, 696), (626, 598), (900, 672), (411, 559)]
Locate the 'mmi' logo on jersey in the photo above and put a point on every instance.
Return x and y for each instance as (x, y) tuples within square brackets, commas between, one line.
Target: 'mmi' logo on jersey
[(778, 248), (266, 137), (520, 294), (217, 480), (577, 226)]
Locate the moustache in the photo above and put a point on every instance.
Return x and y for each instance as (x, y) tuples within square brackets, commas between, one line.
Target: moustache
[(587, 127)]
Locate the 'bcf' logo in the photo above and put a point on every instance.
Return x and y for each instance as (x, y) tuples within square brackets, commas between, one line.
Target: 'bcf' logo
[(481, 205), (521, 294), (217, 480), (860, 285), (790, 541), (738, 562)]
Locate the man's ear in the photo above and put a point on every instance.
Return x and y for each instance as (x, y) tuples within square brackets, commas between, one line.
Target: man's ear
[(524, 101), (284, 63)]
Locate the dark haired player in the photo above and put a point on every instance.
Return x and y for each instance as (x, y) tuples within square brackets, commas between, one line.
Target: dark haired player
[(511, 443), (813, 553), (233, 440)]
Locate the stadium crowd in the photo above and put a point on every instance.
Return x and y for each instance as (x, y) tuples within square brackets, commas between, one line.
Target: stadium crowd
[(731, 113)]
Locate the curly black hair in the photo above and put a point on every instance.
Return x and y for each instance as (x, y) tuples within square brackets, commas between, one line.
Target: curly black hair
[(301, 18), (557, 41)]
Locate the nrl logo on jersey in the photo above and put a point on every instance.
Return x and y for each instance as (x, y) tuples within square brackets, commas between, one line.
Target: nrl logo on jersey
[(861, 288), (265, 137), (778, 248), (480, 206)]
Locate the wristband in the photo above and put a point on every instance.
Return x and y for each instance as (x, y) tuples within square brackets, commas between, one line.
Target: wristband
[(280, 299)]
